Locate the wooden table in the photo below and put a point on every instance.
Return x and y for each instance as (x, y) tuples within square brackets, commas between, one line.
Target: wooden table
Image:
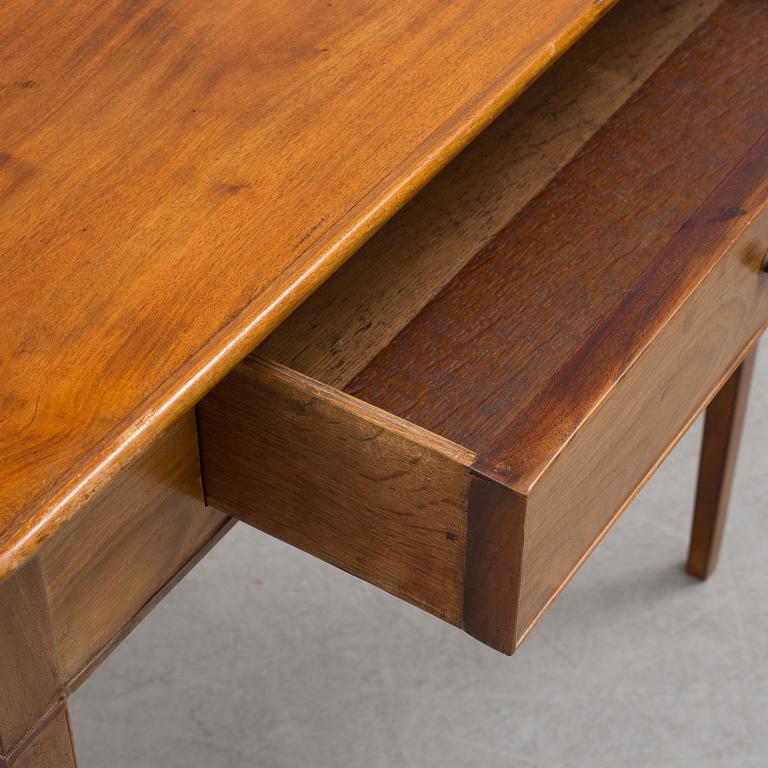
[(460, 411)]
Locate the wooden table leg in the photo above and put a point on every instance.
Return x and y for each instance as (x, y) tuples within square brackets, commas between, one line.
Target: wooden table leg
[(49, 745), (34, 723), (720, 446)]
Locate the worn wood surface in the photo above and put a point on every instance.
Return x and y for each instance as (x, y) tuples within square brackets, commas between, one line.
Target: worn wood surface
[(175, 177), (126, 545), (30, 677), (357, 312), (561, 265), (335, 477), (719, 451)]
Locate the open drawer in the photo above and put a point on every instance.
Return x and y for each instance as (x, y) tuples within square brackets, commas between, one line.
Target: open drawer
[(465, 445)]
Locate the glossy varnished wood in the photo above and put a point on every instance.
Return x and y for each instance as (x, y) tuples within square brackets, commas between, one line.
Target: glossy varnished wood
[(561, 265), (336, 333), (176, 177), (260, 436), (719, 451)]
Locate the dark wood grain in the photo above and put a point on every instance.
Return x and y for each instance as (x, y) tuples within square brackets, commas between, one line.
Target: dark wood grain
[(175, 177), (719, 451), (359, 310), (294, 459), (635, 418), (548, 278), (495, 551), (529, 357), (528, 443)]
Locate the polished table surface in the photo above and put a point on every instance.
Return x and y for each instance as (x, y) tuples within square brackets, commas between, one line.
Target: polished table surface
[(460, 412), (175, 177)]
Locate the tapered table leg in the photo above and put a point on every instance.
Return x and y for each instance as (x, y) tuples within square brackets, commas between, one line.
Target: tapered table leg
[(720, 446), (49, 745), (35, 730)]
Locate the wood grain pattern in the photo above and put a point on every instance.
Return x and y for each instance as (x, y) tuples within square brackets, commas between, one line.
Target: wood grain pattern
[(495, 550), (641, 260), (593, 475), (598, 363), (340, 328), (66, 609), (341, 480), (30, 677), (97, 659), (561, 265), (719, 451), (521, 545), (176, 177), (129, 542), (50, 746), (548, 339)]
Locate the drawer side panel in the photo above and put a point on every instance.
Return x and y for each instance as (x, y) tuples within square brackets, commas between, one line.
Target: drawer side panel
[(607, 461), (342, 480)]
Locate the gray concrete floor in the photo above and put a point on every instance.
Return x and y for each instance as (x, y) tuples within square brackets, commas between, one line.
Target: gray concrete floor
[(264, 656)]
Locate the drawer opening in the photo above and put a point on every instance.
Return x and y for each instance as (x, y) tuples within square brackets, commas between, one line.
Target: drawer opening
[(463, 410)]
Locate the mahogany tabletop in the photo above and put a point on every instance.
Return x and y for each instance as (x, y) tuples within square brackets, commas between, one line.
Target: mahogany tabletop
[(175, 177)]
